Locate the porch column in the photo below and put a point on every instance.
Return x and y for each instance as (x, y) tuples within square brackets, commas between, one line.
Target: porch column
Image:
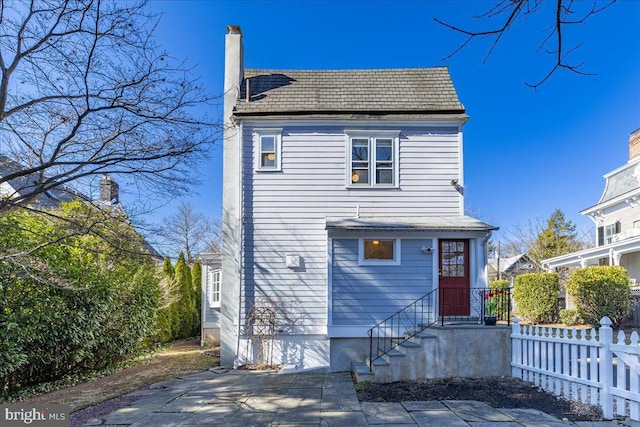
[(616, 257)]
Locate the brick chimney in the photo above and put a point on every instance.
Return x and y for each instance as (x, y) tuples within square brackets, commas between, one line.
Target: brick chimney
[(634, 144), (108, 190)]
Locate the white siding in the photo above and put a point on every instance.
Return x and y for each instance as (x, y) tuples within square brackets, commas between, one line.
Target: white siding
[(285, 211)]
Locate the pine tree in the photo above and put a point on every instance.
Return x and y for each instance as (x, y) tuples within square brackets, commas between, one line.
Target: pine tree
[(196, 274), (167, 315), (558, 238), (167, 268), (186, 305)]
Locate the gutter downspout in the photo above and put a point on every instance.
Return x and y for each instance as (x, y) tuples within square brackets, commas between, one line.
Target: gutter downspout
[(486, 258), (236, 360)]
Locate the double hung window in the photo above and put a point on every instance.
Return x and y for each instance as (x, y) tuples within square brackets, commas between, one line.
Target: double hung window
[(373, 161), (268, 149), (213, 288)]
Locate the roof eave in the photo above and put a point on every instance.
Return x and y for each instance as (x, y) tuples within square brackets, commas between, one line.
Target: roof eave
[(454, 112), (408, 228)]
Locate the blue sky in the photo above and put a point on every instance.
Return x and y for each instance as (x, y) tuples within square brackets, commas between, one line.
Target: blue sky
[(527, 152)]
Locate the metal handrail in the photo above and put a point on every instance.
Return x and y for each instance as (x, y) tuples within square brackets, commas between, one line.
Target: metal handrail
[(420, 314), (402, 326), (478, 304)]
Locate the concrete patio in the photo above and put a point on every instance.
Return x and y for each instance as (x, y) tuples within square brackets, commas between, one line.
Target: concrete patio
[(223, 397)]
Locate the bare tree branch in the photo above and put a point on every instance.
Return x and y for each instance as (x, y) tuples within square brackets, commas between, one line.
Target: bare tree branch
[(188, 231), (563, 10), (84, 91)]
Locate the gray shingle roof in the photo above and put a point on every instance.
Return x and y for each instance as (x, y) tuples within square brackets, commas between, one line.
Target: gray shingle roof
[(622, 182), (26, 184), (382, 91)]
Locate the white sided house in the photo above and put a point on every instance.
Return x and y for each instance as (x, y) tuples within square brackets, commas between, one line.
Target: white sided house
[(617, 220), (210, 298), (343, 203)]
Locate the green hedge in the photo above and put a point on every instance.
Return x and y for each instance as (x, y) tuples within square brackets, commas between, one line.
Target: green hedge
[(601, 291), (502, 300), (570, 317), (498, 284), (81, 302), (536, 297)]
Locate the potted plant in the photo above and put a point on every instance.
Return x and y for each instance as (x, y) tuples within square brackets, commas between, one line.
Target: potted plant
[(491, 307)]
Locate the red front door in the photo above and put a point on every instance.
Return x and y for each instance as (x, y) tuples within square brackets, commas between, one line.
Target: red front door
[(454, 277)]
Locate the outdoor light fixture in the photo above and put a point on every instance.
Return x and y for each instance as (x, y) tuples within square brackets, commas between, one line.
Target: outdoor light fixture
[(376, 242)]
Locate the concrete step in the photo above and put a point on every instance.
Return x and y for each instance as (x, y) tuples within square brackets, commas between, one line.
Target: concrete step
[(381, 361), (425, 335), (394, 353), (410, 344), (361, 371)]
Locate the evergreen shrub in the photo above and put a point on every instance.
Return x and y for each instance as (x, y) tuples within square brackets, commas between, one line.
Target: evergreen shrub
[(570, 317), (600, 291), (536, 297), (79, 302)]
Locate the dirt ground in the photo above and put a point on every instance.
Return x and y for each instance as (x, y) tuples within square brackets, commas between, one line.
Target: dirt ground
[(498, 392)]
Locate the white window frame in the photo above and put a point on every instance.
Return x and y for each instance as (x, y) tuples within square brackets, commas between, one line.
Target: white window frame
[(372, 137), (609, 232), (214, 276), (397, 250), (276, 134)]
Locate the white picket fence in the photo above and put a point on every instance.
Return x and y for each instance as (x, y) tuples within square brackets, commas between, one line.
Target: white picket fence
[(581, 364)]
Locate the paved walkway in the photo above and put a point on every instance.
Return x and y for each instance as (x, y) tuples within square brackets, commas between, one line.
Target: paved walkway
[(241, 398)]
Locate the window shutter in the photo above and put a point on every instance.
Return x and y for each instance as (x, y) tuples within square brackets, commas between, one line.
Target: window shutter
[(600, 236), (617, 227)]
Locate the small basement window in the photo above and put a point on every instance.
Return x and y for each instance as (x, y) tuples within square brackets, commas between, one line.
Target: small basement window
[(380, 251)]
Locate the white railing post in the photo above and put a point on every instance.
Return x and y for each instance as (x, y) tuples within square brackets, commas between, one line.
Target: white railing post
[(515, 348), (606, 367)]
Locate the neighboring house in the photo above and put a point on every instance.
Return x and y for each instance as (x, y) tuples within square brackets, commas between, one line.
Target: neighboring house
[(343, 203), (210, 308), (22, 186), (510, 267), (617, 220)]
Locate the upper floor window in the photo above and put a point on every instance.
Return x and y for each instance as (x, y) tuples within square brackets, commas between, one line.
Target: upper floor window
[(373, 160), (606, 233), (269, 148)]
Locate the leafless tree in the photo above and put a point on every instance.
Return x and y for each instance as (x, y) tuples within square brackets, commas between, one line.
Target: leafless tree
[(188, 231), (85, 91), (561, 14)]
